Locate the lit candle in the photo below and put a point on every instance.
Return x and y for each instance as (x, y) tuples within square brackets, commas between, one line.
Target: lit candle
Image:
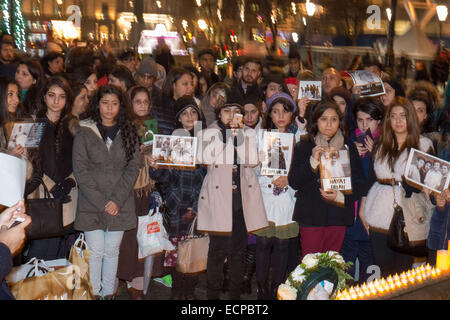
[(443, 260), (433, 273), (419, 277), (438, 271), (372, 288)]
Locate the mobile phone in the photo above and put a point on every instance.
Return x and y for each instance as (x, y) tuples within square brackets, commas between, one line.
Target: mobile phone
[(16, 222), (238, 118)]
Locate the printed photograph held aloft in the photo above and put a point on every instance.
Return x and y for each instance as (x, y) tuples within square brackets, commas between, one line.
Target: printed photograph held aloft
[(175, 150), (370, 84), (335, 171), (278, 148), (426, 171)]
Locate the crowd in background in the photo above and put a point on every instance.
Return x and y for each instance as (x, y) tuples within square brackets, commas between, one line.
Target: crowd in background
[(97, 107)]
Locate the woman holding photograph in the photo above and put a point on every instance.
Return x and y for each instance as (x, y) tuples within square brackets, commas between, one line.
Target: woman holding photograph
[(279, 201), (229, 180), (323, 216), (136, 273), (106, 165), (399, 133), (10, 110), (181, 189)]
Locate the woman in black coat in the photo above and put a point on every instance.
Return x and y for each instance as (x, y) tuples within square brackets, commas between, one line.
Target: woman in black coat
[(323, 216)]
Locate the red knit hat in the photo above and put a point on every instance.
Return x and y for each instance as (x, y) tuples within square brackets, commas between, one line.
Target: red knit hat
[(291, 80)]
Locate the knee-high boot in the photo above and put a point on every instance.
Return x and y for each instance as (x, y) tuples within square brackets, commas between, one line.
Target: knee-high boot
[(250, 268)]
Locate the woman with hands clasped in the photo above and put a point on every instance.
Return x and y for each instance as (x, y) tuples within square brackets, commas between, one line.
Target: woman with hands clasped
[(106, 165), (323, 216)]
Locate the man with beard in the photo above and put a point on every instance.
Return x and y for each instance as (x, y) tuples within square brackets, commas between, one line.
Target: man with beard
[(207, 62), (251, 77)]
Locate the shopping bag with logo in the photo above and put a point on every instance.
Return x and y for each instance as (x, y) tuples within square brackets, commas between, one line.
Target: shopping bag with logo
[(79, 257), (193, 252), (152, 236), (45, 280)]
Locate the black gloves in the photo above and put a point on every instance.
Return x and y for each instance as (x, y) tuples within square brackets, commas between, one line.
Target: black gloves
[(62, 189)]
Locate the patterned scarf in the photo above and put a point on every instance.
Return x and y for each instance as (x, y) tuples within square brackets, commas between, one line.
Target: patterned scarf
[(337, 141)]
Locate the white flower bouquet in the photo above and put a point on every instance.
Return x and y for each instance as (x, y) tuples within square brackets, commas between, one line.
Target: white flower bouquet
[(315, 267)]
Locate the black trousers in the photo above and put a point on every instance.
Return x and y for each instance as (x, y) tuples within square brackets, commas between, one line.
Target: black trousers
[(389, 262), (279, 259), (234, 248)]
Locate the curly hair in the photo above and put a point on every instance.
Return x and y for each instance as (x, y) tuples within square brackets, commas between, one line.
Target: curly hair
[(124, 121)]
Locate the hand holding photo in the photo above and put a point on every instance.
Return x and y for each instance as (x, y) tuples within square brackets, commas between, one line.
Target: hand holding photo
[(310, 89), (174, 150), (426, 171), (278, 148), (368, 82), (335, 171)]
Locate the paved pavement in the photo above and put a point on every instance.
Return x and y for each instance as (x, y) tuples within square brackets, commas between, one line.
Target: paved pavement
[(158, 291)]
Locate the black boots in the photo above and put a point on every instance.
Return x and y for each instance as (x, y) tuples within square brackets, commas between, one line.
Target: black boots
[(263, 291), (250, 268)]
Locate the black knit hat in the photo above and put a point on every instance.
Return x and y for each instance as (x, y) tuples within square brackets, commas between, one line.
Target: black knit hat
[(233, 99), (185, 102)]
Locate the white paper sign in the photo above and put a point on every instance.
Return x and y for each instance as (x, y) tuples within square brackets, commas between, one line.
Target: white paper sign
[(12, 179)]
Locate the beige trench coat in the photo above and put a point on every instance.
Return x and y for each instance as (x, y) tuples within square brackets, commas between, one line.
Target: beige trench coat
[(215, 202)]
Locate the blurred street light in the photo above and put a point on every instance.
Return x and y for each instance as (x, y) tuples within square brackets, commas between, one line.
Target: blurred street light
[(442, 12), (389, 13), (310, 8), (202, 24), (158, 3), (295, 37)]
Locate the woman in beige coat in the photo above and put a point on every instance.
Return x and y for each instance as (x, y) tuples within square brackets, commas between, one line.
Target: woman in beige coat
[(228, 153)]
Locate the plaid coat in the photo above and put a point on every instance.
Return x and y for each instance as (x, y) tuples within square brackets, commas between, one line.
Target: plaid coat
[(181, 189)]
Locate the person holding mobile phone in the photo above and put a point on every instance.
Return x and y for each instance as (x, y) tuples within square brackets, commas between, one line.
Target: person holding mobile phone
[(369, 114), (12, 239), (230, 205)]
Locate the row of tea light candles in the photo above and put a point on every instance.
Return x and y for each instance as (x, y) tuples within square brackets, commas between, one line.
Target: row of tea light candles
[(386, 286), (409, 278)]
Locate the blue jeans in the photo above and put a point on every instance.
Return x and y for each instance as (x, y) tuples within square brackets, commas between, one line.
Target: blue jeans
[(104, 249)]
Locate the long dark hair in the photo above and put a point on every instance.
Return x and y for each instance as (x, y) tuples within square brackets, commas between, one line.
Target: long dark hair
[(34, 92), (319, 109), (173, 76), (62, 83), (287, 106), (49, 58), (124, 121), (387, 143), (428, 125), (5, 116)]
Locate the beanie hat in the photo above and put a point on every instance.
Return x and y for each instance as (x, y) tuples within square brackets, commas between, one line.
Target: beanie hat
[(148, 66), (280, 96), (233, 99), (291, 80), (185, 102)]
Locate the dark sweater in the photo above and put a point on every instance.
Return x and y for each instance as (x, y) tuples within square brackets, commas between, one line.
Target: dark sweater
[(165, 115), (5, 268), (310, 209)]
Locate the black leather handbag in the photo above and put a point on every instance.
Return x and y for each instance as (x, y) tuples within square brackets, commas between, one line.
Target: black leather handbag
[(397, 238), (46, 217)]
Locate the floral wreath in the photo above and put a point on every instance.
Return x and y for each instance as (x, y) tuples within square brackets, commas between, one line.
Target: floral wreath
[(312, 265)]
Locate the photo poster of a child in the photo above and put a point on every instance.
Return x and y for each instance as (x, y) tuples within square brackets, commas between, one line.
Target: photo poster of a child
[(335, 171), (427, 171), (310, 89), (175, 151), (26, 134), (278, 149)]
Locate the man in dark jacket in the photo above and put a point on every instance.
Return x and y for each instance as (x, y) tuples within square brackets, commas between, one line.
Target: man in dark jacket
[(207, 61), (7, 65), (251, 77), (11, 241)]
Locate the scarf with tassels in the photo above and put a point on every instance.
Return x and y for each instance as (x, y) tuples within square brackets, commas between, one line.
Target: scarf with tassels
[(336, 142)]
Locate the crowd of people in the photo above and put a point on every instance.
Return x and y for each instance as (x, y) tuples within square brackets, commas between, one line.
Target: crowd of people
[(97, 108)]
